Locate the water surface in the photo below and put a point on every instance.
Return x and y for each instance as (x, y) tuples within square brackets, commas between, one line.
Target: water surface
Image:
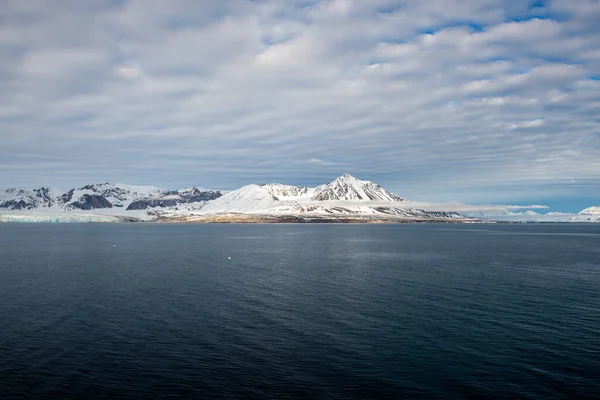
[(299, 311)]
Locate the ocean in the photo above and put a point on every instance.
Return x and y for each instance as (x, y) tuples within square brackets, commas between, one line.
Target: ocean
[(321, 311)]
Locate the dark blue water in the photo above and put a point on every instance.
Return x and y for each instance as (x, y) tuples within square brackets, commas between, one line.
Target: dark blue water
[(299, 311)]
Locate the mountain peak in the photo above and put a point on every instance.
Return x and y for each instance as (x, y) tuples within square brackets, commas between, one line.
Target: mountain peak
[(347, 177), (348, 187)]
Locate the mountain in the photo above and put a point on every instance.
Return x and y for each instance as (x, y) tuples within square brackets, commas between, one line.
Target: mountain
[(590, 211), (105, 197), (503, 214), (343, 198), (590, 214), (27, 199), (175, 198)]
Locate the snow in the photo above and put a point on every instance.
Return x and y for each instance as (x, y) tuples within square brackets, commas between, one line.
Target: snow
[(289, 192), (32, 198), (248, 199), (62, 217), (347, 187), (589, 216), (140, 190), (190, 190), (591, 211), (119, 195), (171, 197), (345, 196)]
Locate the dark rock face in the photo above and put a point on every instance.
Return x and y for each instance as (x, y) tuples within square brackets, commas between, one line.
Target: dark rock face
[(90, 202), (16, 205), (189, 196), (145, 204), (65, 198), (44, 194), (198, 195)]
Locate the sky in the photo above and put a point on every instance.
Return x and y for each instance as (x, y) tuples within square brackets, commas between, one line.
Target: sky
[(475, 101)]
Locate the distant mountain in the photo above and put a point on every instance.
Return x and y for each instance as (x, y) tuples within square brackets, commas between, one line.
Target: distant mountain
[(175, 198), (27, 199), (590, 211), (106, 195), (590, 214), (344, 199), (102, 196), (503, 214)]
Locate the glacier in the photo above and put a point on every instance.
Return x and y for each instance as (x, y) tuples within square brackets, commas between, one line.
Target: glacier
[(58, 218)]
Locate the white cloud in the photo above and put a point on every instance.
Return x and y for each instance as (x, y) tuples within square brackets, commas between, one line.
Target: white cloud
[(129, 71), (320, 162), (436, 105), (527, 124)]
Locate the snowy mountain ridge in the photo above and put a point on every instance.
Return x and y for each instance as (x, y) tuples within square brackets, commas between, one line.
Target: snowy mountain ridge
[(344, 199), (22, 198), (101, 196)]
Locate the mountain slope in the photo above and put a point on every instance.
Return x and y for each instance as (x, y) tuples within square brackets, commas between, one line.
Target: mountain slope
[(247, 199), (590, 211), (288, 192), (590, 214)]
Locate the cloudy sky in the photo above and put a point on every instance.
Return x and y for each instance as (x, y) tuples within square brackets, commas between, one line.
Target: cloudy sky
[(438, 100)]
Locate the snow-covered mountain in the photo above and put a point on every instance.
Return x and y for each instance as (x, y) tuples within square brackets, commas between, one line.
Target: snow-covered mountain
[(344, 197), (504, 215), (103, 195), (590, 214), (106, 195), (528, 213), (175, 198), (590, 211), (26, 199)]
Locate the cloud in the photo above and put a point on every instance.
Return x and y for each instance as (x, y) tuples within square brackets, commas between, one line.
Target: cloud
[(480, 103), (129, 72), (527, 124), (319, 161)]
